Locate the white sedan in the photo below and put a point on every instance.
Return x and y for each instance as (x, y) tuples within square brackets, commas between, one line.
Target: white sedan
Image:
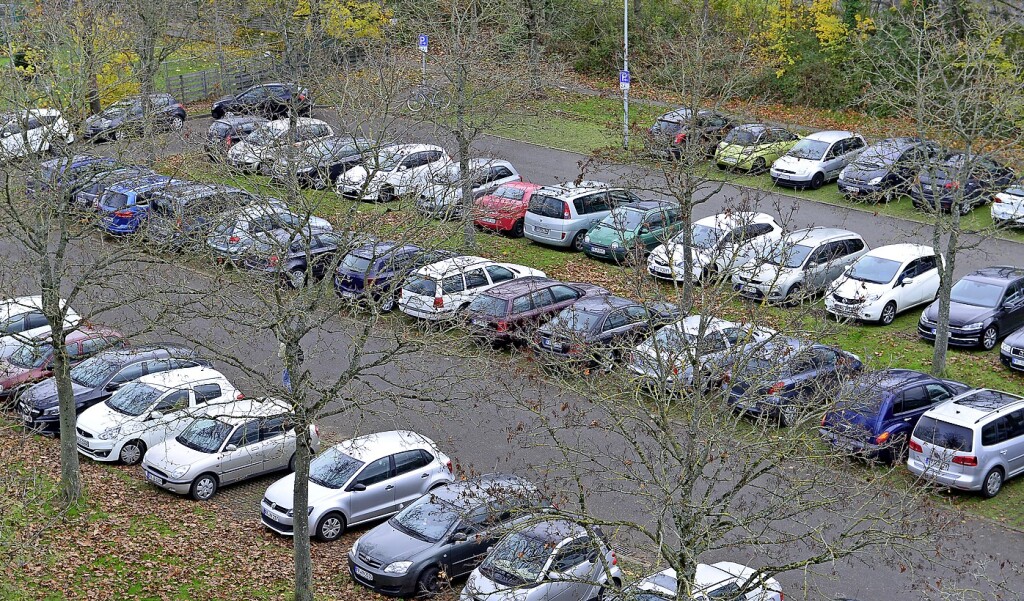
[(260, 150), (441, 290), (885, 282), (720, 244), (393, 171), (31, 132), (1008, 206), (722, 580)]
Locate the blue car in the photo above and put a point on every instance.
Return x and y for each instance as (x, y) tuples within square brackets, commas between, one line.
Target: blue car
[(376, 272), (125, 205), (787, 377), (63, 173), (876, 412)]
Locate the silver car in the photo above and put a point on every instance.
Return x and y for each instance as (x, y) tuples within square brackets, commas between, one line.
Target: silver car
[(817, 159), (549, 560), (561, 215), (232, 442), (237, 231), (443, 194), (360, 480)]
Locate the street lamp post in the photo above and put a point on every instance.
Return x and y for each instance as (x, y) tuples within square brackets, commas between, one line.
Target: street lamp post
[(624, 81)]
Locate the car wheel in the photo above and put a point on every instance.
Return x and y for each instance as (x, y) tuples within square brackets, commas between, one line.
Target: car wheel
[(387, 304), (204, 487), (888, 314), (387, 194), (966, 207), (609, 361), (817, 180), (795, 295), (428, 583), (759, 166), (291, 463), (518, 229), (721, 166), (217, 114), (993, 483), (118, 135), (604, 593), (177, 123), (899, 450), (297, 279), (132, 452), (577, 241), (989, 338), (331, 526)]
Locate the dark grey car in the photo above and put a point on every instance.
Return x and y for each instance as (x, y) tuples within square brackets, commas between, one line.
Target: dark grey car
[(228, 131), (886, 169), (127, 117), (447, 531)]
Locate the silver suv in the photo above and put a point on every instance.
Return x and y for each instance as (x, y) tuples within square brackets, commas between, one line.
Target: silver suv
[(561, 215), (974, 441)]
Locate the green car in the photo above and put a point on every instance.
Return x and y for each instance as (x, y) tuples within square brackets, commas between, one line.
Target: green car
[(637, 228), (753, 147)]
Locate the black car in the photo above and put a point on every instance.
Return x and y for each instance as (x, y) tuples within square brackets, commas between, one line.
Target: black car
[(1011, 352), (375, 272), (447, 530), (96, 378), (320, 164), (180, 217), (227, 131), (671, 133), (886, 169), (985, 305), (961, 180), (294, 257), (126, 117), (601, 329), (270, 100)]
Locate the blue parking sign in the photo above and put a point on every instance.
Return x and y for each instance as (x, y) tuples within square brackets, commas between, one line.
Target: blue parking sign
[(423, 42), (623, 80)]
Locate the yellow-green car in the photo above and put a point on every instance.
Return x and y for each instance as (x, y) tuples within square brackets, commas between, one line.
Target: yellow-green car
[(753, 147)]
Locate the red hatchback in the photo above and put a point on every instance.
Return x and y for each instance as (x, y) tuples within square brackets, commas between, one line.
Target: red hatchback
[(504, 209)]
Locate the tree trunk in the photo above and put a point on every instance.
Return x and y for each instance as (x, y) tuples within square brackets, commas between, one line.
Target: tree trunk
[(533, 47), (300, 503), (466, 182), (70, 470), (945, 287)]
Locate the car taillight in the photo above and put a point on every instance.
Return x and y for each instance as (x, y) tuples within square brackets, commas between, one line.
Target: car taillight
[(302, 97), (997, 200), (228, 142), (777, 388), (239, 396), (369, 282), (126, 214), (824, 418), (234, 239), (502, 326), (448, 464), (316, 430), (575, 349), (272, 260), (615, 559), (952, 185), (680, 138), (968, 460), (438, 302), (566, 214), (916, 447), (179, 106), (881, 438)]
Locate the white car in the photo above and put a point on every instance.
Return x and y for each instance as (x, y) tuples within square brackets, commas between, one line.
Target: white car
[(22, 320), (232, 442), (360, 480), (442, 289), (145, 412), (722, 580), (31, 132), (885, 282), (817, 158), (443, 194), (393, 171), (1008, 206), (720, 244), (260, 150)]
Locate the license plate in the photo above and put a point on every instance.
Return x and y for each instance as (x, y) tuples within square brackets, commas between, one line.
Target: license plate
[(490, 220), (598, 251), (363, 573), (545, 342), (852, 190), (1017, 362), (480, 322), (541, 230), (154, 479), (27, 417), (748, 289), (660, 269), (83, 442), (934, 331), (266, 512)]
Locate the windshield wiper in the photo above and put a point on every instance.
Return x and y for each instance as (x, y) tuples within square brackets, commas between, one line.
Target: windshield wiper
[(323, 483), (407, 530)]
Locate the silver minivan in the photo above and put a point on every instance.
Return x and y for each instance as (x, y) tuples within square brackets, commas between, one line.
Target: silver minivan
[(974, 442), (561, 215)]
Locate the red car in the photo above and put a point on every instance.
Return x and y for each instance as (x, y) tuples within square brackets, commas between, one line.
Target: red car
[(504, 209), (33, 361)]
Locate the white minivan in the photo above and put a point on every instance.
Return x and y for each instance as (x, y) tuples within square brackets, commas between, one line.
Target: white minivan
[(22, 320), (884, 282), (444, 288), (31, 132)]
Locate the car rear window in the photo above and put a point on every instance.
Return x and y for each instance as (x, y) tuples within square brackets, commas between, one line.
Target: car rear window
[(489, 305), (546, 206), (115, 200), (219, 129), (422, 286), (353, 262), (944, 434), (510, 192)]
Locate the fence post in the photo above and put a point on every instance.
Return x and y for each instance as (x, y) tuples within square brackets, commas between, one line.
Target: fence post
[(181, 85), (206, 88)]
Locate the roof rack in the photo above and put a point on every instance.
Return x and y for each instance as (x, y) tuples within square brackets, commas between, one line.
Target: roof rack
[(987, 399)]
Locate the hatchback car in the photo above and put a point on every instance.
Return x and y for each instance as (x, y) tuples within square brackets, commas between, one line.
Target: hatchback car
[(33, 131), (259, 150), (884, 282), (393, 171), (228, 131), (960, 182), (553, 559), (60, 175), (295, 258), (679, 129), (886, 169), (22, 320), (876, 412), (235, 441), (319, 164), (444, 289), (180, 218), (753, 147), (124, 206), (270, 100), (630, 232), (148, 410), (984, 306), (376, 272), (1011, 351), (87, 191), (562, 215), (1008, 206), (722, 580), (442, 196), (442, 535), (360, 480), (504, 209), (816, 159), (233, 235), (96, 378), (126, 117), (973, 442)]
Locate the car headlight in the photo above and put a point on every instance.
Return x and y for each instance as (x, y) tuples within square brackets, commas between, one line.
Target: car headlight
[(874, 181), (973, 326), (52, 410), (291, 512), (616, 245), (586, 238), (397, 567), (110, 433), (179, 472), (355, 547), (1005, 347), (873, 297)]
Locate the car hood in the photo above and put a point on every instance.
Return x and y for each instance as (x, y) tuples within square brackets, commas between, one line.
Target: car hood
[(485, 589), (442, 194), (796, 164), (169, 455), (244, 150), (386, 544), (100, 417), (355, 176), (850, 288), (43, 395), (502, 205), (737, 150), (1016, 339), (766, 273), (860, 172), (605, 235), (102, 120), (282, 492), (12, 375), (223, 100), (959, 313)]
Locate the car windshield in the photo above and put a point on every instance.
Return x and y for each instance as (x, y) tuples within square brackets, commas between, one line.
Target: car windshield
[(673, 339), (865, 398), (31, 356), (94, 371), (134, 398), (429, 518), (809, 149), (264, 136), (742, 137), (518, 559), (669, 127), (1016, 190), (877, 156), (449, 174), (509, 193), (624, 219), (333, 468), (546, 206), (978, 294), (789, 255), (114, 200), (875, 270), (575, 319), (205, 435), (706, 237), (117, 110), (385, 160), (489, 305), (944, 434), (422, 286)]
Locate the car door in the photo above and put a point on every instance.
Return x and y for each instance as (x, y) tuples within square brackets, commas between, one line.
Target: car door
[(173, 410), (242, 456), (36, 133), (593, 208), (277, 435), (540, 303), (907, 407), (854, 147), (574, 572), (615, 326), (372, 491), (832, 163), (1015, 442), (125, 374), (651, 232), (476, 282), (478, 525), (926, 282), (1012, 308), (412, 476), (819, 264)]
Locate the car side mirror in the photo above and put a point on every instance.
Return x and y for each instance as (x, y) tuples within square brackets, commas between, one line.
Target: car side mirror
[(357, 487), (155, 415), (458, 537), (230, 448), (907, 281), (555, 575), (112, 386)]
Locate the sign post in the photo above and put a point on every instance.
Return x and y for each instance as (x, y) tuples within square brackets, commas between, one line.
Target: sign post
[(422, 45), (624, 86)]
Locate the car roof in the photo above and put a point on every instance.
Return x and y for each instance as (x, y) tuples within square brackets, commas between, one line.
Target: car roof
[(408, 148), (784, 346), (755, 127), (239, 119), (240, 411), (83, 332), (893, 378), (902, 252), (648, 205), (454, 264), (714, 575), (285, 123), (189, 191), (155, 350), (694, 324), (896, 144), (19, 305), (601, 303), (382, 249), (830, 136), (140, 184), (999, 274), (732, 220), (482, 489), (975, 405), (519, 286), (573, 189), (371, 447), (553, 531), (176, 377), (816, 235)]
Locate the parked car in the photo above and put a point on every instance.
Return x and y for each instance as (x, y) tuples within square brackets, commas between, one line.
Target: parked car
[(1008, 206), (377, 271), (722, 580), (33, 131), (85, 192), (235, 441), (180, 218), (886, 170), (442, 290), (225, 132), (270, 100), (296, 257), (961, 181), (753, 147), (973, 442), (60, 175), (816, 159), (234, 233), (884, 282), (98, 377), (32, 360), (22, 320), (803, 264), (787, 377), (319, 164), (553, 559), (442, 196), (393, 171), (512, 310), (666, 360), (876, 412), (126, 117), (1011, 351), (264, 146), (146, 411), (671, 133), (124, 206), (504, 209), (442, 535), (984, 306), (720, 244), (360, 480), (630, 232), (601, 329), (562, 215)]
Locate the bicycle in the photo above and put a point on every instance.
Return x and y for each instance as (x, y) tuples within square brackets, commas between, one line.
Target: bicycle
[(426, 96)]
